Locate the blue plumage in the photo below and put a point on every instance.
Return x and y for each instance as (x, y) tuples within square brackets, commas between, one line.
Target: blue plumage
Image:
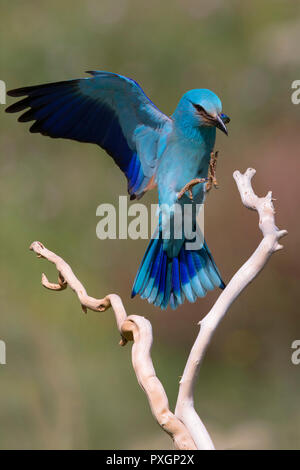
[(188, 275), (151, 149), (94, 110)]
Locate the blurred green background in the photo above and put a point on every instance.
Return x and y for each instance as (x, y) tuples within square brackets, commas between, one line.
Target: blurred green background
[(67, 383)]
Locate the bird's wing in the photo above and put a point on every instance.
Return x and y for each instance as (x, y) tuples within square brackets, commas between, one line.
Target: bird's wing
[(106, 109)]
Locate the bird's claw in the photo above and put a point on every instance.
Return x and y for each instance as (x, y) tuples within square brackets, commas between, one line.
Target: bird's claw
[(212, 180), (187, 188)]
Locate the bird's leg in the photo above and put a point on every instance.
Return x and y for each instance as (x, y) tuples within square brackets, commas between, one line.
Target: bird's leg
[(212, 180), (188, 187)]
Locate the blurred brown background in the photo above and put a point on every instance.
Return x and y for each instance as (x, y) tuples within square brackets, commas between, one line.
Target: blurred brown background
[(67, 384)]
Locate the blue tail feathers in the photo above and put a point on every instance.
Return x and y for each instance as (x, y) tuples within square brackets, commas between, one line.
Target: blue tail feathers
[(168, 281)]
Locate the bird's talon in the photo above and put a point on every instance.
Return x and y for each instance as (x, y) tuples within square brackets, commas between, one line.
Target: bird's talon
[(212, 180), (188, 188)]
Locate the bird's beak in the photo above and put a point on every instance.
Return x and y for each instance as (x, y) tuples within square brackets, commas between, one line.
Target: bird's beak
[(221, 119)]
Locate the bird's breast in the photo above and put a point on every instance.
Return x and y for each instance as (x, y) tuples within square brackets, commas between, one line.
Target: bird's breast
[(181, 163)]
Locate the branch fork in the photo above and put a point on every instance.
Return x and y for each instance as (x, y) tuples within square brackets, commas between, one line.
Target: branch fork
[(184, 426)]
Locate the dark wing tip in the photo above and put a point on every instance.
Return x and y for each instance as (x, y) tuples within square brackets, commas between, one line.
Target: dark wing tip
[(18, 92), (92, 72), (28, 116), (18, 106), (33, 90), (133, 294), (10, 109), (37, 128)]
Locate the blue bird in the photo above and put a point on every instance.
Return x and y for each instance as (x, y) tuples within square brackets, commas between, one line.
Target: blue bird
[(152, 149)]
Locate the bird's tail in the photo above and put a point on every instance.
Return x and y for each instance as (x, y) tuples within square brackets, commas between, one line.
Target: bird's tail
[(168, 281)]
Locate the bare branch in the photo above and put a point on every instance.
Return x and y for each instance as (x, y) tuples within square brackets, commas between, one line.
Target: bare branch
[(67, 277), (185, 410), (131, 327), (185, 427)]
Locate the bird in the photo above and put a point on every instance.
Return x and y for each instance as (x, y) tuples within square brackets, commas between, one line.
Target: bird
[(153, 150)]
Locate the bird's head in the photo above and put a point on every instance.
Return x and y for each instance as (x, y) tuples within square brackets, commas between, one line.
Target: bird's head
[(202, 108)]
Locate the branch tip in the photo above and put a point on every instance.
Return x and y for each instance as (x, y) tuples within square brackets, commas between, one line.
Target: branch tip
[(282, 233), (278, 247), (250, 172)]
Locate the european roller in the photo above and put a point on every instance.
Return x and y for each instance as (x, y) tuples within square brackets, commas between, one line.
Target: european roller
[(153, 150)]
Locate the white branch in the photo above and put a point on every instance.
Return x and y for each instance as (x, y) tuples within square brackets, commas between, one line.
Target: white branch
[(134, 328), (185, 410), (185, 427)]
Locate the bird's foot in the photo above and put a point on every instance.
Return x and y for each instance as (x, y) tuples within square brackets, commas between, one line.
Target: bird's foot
[(188, 187), (212, 180)]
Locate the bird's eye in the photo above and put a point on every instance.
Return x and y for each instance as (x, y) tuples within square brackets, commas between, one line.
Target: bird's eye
[(199, 108)]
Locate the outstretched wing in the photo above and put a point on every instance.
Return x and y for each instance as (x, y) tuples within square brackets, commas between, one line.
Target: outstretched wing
[(106, 109)]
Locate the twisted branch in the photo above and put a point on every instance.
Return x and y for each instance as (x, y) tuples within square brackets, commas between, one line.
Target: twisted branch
[(131, 327)]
